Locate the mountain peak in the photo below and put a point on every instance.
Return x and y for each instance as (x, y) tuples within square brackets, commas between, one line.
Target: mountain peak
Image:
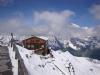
[(75, 25)]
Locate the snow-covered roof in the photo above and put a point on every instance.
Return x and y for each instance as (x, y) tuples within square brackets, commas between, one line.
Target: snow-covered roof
[(43, 37)]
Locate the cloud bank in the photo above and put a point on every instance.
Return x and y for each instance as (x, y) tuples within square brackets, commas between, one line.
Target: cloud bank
[(96, 31), (95, 10), (15, 24), (58, 24), (45, 23), (52, 21)]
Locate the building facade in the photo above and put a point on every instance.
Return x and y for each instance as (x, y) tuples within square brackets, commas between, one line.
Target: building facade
[(37, 44)]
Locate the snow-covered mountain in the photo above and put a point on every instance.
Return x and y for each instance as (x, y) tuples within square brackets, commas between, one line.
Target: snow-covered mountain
[(85, 47), (4, 39), (62, 63), (88, 43), (64, 60), (88, 47)]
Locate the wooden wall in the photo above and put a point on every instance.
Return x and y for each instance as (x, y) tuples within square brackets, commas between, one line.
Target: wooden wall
[(37, 44)]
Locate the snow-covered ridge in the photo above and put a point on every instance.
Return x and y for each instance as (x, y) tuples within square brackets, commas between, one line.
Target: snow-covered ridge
[(62, 63)]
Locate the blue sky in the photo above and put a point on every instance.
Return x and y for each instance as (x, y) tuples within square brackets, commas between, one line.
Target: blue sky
[(81, 8)]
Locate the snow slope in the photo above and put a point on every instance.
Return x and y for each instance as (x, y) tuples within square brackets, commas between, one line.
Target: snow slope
[(4, 39), (69, 44), (13, 60), (62, 63)]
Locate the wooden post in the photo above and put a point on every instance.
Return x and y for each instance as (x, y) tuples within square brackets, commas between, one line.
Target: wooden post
[(12, 39)]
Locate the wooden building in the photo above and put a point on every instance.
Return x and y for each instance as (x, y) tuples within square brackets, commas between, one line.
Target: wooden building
[(37, 44)]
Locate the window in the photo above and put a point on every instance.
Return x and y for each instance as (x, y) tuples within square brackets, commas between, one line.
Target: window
[(32, 46), (42, 46), (28, 46)]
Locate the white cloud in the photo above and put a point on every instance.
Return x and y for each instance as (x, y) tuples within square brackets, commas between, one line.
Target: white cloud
[(45, 22), (54, 21), (53, 17), (95, 10), (58, 23), (15, 24), (96, 31)]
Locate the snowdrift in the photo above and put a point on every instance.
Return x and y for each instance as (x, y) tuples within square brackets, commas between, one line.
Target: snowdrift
[(62, 63)]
